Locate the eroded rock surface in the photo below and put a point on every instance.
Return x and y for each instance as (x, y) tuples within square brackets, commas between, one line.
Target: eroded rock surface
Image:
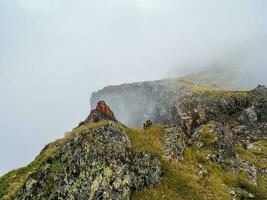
[(137, 102), (98, 164), (174, 143), (221, 122), (101, 112)]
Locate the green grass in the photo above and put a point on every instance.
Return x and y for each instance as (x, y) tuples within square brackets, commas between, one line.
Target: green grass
[(216, 93), (180, 180), (257, 156), (194, 178), (207, 137), (183, 180), (208, 90), (235, 181), (146, 140)]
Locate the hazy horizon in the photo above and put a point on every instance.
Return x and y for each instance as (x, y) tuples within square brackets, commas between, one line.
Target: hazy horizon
[(55, 53)]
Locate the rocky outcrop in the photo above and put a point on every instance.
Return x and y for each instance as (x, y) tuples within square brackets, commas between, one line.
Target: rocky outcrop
[(260, 101), (249, 115), (147, 124), (155, 100), (101, 112), (218, 137), (137, 102), (98, 164), (228, 107), (221, 121), (159, 101), (207, 141), (174, 142)]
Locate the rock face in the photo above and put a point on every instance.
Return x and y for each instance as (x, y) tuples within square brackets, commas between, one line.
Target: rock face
[(206, 140), (98, 164), (227, 107), (137, 102), (203, 117), (220, 121), (101, 112)]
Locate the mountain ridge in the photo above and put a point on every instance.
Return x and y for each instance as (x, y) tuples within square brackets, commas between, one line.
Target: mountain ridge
[(202, 142), (137, 102)]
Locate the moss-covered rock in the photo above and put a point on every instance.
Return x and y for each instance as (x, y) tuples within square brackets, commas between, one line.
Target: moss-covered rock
[(95, 164), (204, 143)]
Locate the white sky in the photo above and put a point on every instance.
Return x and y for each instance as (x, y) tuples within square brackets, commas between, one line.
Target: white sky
[(54, 53)]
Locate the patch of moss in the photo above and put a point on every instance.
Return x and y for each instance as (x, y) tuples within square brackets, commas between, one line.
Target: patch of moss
[(207, 137), (186, 82), (180, 180), (214, 93), (235, 181), (85, 128), (148, 140), (9, 178), (256, 155), (207, 90), (184, 180), (57, 167)]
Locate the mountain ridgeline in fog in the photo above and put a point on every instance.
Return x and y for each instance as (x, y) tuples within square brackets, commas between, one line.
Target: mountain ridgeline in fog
[(201, 142), (155, 100), (137, 102), (231, 77)]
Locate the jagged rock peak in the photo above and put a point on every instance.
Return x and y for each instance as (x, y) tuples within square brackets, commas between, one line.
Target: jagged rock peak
[(101, 112)]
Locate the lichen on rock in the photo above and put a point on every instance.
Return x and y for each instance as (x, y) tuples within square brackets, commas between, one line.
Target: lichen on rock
[(97, 164)]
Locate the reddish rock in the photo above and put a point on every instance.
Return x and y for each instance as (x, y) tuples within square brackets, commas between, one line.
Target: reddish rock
[(101, 112)]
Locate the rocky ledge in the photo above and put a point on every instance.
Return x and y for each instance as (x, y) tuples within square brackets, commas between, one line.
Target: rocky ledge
[(89, 163), (229, 126), (209, 144)]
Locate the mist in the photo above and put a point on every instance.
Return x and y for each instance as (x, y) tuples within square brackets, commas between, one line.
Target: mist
[(55, 53)]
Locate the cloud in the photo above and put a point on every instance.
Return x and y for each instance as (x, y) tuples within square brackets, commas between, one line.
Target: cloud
[(53, 54)]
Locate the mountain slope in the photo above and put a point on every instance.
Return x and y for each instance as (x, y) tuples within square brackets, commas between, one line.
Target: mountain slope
[(210, 144), (136, 102), (92, 162)]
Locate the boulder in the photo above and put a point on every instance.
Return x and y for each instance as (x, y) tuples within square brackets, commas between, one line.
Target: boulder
[(147, 124), (249, 115)]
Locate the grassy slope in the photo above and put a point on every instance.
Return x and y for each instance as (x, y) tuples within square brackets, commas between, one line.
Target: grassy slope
[(184, 180), (180, 180)]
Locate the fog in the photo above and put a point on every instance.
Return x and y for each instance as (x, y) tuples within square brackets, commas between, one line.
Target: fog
[(55, 53)]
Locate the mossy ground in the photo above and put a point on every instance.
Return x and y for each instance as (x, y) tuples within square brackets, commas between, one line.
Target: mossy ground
[(256, 155), (201, 94), (193, 178), (180, 180)]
